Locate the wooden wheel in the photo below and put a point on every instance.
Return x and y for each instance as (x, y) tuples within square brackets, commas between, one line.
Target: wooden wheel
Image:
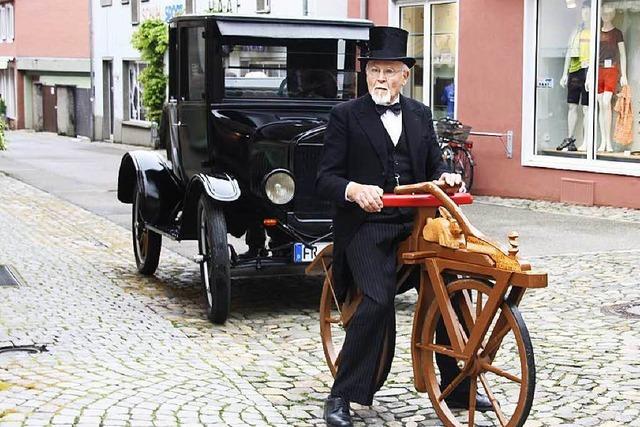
[(331, 326), (503, 369)]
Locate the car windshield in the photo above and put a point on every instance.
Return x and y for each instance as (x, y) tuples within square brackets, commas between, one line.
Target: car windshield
[(290, 69)]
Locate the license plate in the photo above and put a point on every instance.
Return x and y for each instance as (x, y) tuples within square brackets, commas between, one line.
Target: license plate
[(302, 253)]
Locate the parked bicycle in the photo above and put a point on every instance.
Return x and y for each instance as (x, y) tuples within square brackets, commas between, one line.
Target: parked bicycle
[(456, 149)]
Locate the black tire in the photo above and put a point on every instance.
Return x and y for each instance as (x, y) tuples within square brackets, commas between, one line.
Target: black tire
[(463, 165), (215, 266), (146, 243)]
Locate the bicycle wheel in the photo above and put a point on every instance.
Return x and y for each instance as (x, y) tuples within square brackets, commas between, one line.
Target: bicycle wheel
[(463, 165), (333, 322), (503, 369), (332, 330)]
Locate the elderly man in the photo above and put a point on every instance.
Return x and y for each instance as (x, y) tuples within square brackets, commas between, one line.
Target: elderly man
[(372, 144)]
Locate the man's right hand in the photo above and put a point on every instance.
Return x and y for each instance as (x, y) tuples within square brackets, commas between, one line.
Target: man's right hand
[(368, 197)]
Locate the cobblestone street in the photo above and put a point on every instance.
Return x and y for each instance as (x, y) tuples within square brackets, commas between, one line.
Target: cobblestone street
[(128, 350)]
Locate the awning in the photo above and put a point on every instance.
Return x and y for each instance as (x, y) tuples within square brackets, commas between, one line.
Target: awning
[(4, 62)]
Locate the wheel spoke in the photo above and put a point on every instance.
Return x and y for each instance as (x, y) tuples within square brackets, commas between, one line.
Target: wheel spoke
[(494, 402), (496, 337), (489, 367), (478, 304), (473, 389), (452, 385), (440, 349)]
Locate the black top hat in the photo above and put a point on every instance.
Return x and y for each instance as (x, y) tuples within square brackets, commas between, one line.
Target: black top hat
[(388, 44)]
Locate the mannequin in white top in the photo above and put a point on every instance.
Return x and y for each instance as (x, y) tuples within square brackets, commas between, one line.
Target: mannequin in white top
[(575, 78), (612, 64)]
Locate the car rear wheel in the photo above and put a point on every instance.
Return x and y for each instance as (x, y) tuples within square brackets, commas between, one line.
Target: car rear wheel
[(146, 243), (214, 263)]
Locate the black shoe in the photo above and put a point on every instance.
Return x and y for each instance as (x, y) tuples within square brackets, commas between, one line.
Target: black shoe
[(461, 401), (572, 147), (253, 252), (336, 412), (566, 143)]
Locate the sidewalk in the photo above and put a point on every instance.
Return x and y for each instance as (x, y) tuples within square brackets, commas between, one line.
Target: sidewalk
[(128, 350)]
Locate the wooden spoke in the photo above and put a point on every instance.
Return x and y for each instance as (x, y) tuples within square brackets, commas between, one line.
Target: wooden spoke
[(441, 349), (478, 304), (494, 402), (495, 339), (456, 381), (489, 367), (473, 389)]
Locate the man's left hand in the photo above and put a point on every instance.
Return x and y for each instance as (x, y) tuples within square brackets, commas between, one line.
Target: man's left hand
[(452, 180)]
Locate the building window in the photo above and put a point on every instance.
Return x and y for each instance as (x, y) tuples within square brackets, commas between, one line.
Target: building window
[(439, 21), (105, 3), (9, 22), (133, 91), (587, 65), (8, 90), (135, 11), (263, 6), (189, 6)]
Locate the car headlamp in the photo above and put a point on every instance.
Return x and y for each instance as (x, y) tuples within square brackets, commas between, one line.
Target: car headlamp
[(279, 186)]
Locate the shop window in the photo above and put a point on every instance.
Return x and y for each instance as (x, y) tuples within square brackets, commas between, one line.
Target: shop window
[(134, 91), (439, 20), (587, 81)]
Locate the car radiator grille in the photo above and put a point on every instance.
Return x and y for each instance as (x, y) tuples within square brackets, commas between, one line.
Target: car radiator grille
[(307, 205)]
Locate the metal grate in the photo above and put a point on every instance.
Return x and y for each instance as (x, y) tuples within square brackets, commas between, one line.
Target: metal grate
[(630, 310), (305, 167), (8, 276)]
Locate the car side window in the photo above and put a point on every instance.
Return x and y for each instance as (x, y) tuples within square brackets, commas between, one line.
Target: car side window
[(194, 72)]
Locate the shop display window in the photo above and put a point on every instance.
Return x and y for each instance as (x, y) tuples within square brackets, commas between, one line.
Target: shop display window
[(587, 83), (439, 21)]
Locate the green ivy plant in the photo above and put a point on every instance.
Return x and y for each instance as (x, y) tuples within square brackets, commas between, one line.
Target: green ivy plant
[(151, 39), (3, 139)]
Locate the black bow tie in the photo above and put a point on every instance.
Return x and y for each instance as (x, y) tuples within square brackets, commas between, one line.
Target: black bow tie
[(394, 108)]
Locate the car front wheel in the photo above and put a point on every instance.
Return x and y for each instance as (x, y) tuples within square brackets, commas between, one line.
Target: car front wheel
[(214, 263), (146, 243)]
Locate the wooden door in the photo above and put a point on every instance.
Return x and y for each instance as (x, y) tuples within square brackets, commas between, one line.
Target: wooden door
[(49, 109)]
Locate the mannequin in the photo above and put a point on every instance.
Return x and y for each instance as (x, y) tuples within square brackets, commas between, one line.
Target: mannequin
[(611, 66), (574, 78)]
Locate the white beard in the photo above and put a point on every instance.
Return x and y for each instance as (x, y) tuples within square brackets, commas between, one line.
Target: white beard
[(381, 99)]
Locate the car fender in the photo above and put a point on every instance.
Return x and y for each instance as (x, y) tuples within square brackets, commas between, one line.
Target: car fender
[(161, 190), (221, 188)]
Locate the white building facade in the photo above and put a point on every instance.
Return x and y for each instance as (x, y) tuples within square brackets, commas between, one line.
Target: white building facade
[(118, 112)]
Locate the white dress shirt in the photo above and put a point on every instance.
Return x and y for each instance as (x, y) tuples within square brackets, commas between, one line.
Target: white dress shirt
[(393, 124)]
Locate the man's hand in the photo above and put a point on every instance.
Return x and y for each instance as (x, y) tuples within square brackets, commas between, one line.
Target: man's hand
[(453, 179), (368, 197)]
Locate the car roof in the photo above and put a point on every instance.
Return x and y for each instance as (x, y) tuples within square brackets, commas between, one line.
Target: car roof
[(284, 27)]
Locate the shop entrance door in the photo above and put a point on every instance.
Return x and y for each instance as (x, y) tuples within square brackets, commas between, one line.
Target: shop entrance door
[(49, 109)]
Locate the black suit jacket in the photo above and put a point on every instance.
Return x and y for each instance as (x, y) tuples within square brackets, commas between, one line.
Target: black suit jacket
[(355, 150)]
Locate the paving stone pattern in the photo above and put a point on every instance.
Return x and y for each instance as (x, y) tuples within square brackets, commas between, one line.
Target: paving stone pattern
[(130, 350)]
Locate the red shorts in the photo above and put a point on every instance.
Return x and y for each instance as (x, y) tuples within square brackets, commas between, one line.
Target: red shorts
[(607, 79)]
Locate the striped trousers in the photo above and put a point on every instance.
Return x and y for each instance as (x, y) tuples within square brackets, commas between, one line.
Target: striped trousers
[(369, 345)]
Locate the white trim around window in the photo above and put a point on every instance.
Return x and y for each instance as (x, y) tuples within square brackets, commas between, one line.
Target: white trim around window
[(529, 157)]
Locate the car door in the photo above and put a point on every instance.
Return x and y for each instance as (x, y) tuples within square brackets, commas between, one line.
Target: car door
[(192, 109)]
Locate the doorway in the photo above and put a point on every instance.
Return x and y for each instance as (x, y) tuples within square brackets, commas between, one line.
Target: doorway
[(49, 109), (107, 99)]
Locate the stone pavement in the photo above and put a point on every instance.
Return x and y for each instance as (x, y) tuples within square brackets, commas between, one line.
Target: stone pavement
[(130, 350)]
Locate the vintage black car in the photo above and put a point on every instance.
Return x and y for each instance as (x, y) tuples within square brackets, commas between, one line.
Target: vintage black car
[(249, 98)]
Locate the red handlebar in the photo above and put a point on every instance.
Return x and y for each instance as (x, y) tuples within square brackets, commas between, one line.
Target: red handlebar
[(422, 200)]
